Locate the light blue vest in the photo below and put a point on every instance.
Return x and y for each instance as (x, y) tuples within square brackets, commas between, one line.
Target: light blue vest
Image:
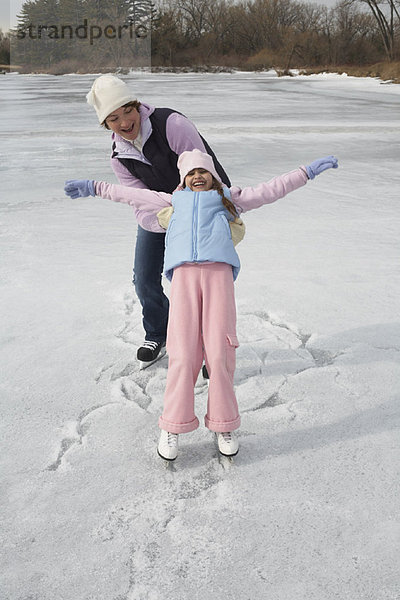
[(199, 231)]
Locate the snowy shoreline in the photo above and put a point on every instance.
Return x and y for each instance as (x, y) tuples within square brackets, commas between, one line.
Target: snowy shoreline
[(293, 73)]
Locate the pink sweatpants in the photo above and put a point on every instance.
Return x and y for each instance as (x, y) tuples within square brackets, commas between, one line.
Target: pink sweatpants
[(202, 324)]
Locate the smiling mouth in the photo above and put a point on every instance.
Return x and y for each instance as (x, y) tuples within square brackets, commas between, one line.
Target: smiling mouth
[(128, 130), (198, 183)]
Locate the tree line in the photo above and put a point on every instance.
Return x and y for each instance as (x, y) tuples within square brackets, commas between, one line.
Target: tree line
[(280, 32), (94, 35)]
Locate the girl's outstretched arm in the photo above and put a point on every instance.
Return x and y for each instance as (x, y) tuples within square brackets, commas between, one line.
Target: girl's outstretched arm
[(265, 193), (140, 199), (249, 198), (146, 202)]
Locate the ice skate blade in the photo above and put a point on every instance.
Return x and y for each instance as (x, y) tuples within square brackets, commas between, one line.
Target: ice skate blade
[(226, 462), (143, 364), (228, 455), (167, 460)]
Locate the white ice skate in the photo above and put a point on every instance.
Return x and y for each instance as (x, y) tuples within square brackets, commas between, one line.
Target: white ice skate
[(168, 445), (228, 444)]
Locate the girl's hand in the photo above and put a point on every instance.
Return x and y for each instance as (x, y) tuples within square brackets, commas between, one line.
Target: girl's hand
[(79, 188), (320, 165)]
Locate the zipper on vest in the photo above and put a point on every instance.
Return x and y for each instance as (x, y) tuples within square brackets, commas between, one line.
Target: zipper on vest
[(195, 220)]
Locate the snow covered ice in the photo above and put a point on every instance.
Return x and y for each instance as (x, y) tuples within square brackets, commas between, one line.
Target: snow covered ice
[(309, 509)]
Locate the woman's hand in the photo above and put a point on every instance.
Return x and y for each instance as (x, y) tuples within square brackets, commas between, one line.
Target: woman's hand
[(320, 165), (79, 188)]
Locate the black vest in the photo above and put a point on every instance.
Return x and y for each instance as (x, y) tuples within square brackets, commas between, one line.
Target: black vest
[(162, 175)]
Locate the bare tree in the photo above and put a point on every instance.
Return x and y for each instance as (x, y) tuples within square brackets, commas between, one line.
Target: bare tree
[(196, 15), (387, 17), (221, 21)]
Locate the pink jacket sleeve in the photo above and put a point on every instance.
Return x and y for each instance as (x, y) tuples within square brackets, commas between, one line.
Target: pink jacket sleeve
[(265, 193), (182, 134), (146, 202)]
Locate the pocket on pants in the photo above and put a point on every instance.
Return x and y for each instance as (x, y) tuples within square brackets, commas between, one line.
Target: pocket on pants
[(233, 343), (232, 340)]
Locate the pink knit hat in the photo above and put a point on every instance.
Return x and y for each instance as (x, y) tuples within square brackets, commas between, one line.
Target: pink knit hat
[(192, 159)]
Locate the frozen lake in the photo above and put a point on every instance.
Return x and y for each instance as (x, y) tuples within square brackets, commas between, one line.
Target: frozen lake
[(309, 509)]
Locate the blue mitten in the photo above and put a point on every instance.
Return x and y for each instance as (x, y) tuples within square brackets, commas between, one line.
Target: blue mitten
[(79, 188), (320, 165)]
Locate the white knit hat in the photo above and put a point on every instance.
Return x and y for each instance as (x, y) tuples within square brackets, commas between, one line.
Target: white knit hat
[(192, 159), (107, 94)]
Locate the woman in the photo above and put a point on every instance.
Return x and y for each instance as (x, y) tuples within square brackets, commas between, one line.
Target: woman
[(146, 143)]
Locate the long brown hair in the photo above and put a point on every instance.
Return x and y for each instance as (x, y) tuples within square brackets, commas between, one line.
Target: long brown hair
[(225, 201)]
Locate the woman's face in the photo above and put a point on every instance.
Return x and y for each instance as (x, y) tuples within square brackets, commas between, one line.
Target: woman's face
[(199, 180), (125, 121)]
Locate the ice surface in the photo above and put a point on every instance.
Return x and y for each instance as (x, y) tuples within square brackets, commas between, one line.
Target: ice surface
[(309, 509)]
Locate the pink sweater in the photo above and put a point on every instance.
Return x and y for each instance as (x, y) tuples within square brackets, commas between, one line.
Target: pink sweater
[(148, 203)]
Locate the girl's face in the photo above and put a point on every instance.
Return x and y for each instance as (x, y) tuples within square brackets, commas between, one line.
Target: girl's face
[(125, 121), (199, 180)]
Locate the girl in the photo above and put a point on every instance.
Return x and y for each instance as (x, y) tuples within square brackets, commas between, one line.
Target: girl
[(202, 264)]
